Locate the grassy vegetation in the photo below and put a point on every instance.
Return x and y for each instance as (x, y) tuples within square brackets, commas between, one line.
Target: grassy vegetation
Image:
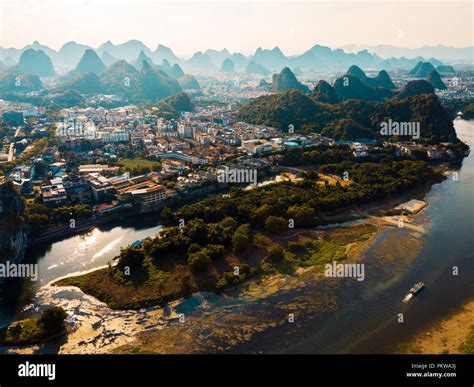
[(156, 282), (139, 163), (468, 346), (23, 332), (34, 330), (331, 247)]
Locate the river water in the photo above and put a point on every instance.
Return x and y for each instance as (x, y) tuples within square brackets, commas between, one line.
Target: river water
[(366, 319), (76, 254), (370, 325)]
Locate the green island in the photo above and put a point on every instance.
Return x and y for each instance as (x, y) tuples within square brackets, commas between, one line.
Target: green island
[(223, 240), (49, 325)]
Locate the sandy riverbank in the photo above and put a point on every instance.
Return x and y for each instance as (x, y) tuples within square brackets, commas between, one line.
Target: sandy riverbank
[(443, 336)]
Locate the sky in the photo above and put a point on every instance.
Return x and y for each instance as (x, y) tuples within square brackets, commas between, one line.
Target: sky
[(190, 26)]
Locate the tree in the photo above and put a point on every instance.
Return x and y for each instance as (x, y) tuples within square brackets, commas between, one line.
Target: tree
[(197, 230), (131, 257), (229, 222), (276, 253), (275, 224), (52, 319), (215, 251), (262, 213), (302, 215), (296, 247), (167, 215), (39, 223), (241, 238), (194, 248), (198, 261)]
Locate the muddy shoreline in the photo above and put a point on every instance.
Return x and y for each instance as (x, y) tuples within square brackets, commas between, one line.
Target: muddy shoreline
[(262, 324), (443, 336)]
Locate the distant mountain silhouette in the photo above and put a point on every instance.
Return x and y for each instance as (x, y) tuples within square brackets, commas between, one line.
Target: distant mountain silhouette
[(129, 50), (414, 88), (119, 78), (297, 71), (37, 46), (170, 107), (286, 80), (324, 92), (400, 62), (316, 58), (10, 82), (356, 72), (71, 52), (240, 61), (435, 80), (322, 57), (176, 71), (86, 83), (271, 59), (108, 59), (162, 52), (188, 82), (421, 69), (227, 66), (152, 85), (255, 68), (264, 85), (381, 80), (200, 62), (166, 67), (147, 84), (441, 52), (434, 61), (445, 69), (351, 87), (142, 57), (90, 62), (216, 56), (36, 63), (9, 61)]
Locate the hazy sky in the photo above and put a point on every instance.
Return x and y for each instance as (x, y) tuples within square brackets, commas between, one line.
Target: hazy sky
[(189, 26)]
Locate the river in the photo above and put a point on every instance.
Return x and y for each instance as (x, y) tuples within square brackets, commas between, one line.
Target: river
[(370, 325), (366, 320)]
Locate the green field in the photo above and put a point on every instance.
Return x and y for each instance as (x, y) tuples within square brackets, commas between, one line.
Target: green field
[(139, 163)]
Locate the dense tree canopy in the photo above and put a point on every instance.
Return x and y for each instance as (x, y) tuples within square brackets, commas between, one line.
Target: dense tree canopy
[(352, 119)]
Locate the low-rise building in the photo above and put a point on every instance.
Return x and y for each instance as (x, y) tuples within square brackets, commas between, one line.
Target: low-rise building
[(259, 146), (103, 169), (53, 195), (145, 193)]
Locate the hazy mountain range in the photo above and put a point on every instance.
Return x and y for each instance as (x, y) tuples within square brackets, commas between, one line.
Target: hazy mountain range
[(317, 57), (440, 52)]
